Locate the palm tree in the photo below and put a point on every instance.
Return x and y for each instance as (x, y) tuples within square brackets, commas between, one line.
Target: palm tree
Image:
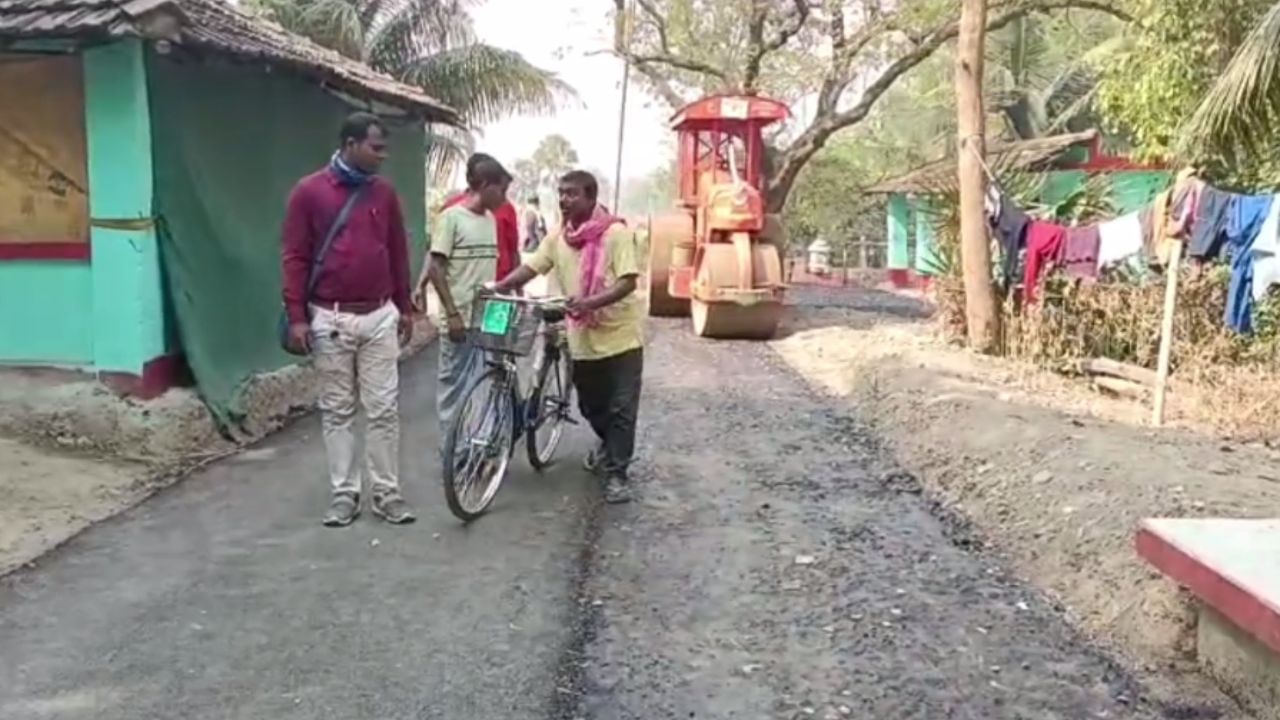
[(1241, 112), (431, 44), (1045, 71)]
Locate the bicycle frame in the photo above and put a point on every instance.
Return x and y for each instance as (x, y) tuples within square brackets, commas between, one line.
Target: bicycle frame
[(550, 342)]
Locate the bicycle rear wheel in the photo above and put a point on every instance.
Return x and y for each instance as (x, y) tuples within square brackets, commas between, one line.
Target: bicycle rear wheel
[(548, 407), (478, 447)]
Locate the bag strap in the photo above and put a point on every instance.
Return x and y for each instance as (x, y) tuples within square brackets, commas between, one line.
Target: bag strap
[(317, 262)]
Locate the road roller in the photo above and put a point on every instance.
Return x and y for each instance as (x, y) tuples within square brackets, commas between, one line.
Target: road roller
[(716, 257)]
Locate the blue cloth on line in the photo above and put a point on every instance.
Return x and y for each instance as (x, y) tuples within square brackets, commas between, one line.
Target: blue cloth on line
[(1245, 217), (1211, 217)]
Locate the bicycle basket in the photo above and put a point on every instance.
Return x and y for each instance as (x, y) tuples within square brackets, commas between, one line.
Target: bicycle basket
[(503, 326)]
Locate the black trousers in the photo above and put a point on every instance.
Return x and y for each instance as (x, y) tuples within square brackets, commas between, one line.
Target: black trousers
[(609, 398)]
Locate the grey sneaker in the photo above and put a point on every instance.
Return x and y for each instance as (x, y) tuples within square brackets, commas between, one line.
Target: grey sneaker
[(594, 458), (616, 491), (344, 508), (393, 509)]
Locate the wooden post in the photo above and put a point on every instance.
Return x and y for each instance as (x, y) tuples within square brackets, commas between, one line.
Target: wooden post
[(1166, 331), (975, 250)]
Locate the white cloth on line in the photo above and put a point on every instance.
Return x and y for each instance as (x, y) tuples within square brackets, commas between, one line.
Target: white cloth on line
[(1119, 239), (1266, 253)]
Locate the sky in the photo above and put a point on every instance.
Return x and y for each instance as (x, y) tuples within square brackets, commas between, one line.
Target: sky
[(557, 35)]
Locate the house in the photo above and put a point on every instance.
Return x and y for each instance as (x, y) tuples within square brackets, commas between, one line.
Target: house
[(1067, 160), (146, 151)]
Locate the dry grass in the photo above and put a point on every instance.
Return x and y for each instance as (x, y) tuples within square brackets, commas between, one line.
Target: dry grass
[(1228, 382)]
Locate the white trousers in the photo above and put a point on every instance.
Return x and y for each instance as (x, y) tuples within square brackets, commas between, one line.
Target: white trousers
[(356, 358)]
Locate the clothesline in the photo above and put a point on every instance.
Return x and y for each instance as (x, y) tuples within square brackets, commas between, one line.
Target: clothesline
[(1213, 223)]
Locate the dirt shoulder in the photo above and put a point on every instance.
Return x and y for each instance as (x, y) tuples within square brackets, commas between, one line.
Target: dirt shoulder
[(1054, 476), (72, 453), (50, 496)]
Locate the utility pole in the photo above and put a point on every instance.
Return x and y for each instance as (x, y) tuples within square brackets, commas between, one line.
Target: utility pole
[(983, 320), (625, 30)]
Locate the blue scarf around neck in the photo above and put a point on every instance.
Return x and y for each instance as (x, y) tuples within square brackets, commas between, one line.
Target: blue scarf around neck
[(347, 175)]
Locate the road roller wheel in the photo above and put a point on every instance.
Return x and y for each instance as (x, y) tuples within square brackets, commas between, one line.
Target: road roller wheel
[(729, 320), (666, 232)]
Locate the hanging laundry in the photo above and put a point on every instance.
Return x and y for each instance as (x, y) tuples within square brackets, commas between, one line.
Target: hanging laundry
[(1080, 252), (1182, 214), (991, 202), (1170, 213), (1155, 235), (1044, 249), (1266, 253), (1186, 201), (1210, 220), (1245, 218), (1119, 239), (1010, 229)]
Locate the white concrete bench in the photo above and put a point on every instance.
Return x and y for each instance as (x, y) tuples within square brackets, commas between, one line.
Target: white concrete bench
[(1232, 567)]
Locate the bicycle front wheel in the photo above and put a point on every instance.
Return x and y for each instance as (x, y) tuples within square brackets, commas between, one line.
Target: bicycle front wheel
[(548, 407), (478, 447)]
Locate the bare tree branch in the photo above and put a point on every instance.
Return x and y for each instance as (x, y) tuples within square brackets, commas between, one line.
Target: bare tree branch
[(824, 125), (759, 46), (654, 66)]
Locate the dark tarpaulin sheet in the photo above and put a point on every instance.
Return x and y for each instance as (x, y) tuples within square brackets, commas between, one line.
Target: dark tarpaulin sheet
[(229, 142)]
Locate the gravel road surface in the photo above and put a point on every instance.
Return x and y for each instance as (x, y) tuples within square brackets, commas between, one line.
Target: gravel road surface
[(774, 565)]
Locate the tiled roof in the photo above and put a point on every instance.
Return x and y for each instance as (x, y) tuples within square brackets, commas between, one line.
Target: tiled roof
[(1021, 155), (216, 26)]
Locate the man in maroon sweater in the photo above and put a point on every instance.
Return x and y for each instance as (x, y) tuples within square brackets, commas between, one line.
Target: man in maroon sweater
[(357, 314)]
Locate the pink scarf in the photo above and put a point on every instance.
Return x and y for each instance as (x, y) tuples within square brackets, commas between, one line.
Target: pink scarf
[(588, 240)]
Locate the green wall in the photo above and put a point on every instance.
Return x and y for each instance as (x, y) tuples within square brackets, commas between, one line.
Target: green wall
[(899, 252), (106, 314), (230, 142), (926, 259), (128, 305), (46, 316)]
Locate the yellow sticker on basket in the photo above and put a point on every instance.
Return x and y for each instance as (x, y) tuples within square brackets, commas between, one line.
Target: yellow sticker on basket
[(497, 317)]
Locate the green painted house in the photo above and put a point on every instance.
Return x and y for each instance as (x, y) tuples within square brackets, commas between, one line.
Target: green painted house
[(146, 151), (1066, 161)]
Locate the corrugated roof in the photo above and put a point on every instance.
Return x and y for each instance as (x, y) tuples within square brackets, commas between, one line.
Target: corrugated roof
[(1021, 155), (216, 26)]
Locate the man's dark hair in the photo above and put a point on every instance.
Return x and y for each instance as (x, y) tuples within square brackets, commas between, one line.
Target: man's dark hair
[(486, 171), (356, 127), (584, 180), (474, 160)]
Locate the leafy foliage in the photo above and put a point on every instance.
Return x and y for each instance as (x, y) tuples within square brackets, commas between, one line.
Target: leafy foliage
[(537, 176), (1241, 112), (1172, 56), (431, 44), (841, 57)]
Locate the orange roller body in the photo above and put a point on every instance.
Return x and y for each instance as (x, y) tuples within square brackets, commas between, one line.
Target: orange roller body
[(716, 256)]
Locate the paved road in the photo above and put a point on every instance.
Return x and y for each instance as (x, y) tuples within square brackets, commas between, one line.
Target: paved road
[(224, 598), (775, 565)]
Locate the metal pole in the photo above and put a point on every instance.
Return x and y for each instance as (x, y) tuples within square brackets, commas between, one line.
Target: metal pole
[(622, 110)]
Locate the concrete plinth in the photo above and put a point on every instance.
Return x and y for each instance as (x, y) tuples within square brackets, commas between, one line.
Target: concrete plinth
[(1244, 667)]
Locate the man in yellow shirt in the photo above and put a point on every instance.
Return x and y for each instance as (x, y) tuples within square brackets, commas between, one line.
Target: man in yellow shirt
[(594, 260)]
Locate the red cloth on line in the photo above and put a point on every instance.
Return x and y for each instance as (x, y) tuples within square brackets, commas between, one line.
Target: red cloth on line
[(369, 259), (508, 234), (1044, 249)]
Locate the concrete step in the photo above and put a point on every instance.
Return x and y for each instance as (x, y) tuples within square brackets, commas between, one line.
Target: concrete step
[(1232, 567)]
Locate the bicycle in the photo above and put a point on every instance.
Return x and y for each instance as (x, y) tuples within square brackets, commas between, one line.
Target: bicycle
[(476, 459)]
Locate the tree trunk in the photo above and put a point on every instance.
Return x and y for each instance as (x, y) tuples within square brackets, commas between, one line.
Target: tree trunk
[(975, 248)]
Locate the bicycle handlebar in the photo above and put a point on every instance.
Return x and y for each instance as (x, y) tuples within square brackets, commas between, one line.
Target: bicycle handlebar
[(556, 301)]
